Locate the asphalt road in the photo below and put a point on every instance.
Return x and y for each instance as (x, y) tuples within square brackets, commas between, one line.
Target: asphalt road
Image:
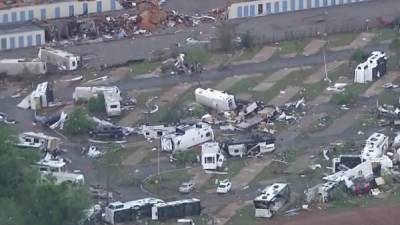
[(120, 51)]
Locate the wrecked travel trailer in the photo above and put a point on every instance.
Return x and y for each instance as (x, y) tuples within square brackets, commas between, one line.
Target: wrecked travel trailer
[(56, 167), (41, 97), (186, 137), (375, 146), (22, 67), (345, 162), (112, 97), (252, 146), (38, 140), (271, 200), (157, 131), (176, 209), (118, 212), (62, 59), (211, 156), (372, 69), (215, 99)]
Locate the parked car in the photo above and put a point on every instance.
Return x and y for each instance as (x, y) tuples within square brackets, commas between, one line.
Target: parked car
[(186, 187), (224, 187), (107, 132)]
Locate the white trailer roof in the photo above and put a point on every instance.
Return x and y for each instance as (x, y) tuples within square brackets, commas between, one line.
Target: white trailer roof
[(214, 94)]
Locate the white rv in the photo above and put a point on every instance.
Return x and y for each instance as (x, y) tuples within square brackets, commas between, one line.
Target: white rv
[(253, 145), (157, 131), (215, 99), (176, 209), (118, 212), (40, 98), (186, 137), (112, 97), (38, 140), (62, 59), (271, 200), (375, 146), (372, 69), (211, 156), (23, 67), (56, 167)]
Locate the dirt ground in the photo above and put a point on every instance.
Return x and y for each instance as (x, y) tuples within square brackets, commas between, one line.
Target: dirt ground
[(361, 41), (379, 215), (248, 173), (264, 54), (228, 82), (142, 150), (320, 73), (377, 87), (274, 77), (229, 211), (285, 96), (313, 47)]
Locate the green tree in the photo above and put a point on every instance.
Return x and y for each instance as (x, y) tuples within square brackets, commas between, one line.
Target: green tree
[(359, 56), (78, 122), (197, 55), (395, 45), (225, 36), (97, 104), (247, 40)]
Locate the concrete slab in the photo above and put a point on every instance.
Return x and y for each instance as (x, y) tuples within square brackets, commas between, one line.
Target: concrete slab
[(248, 173), (264, 54), (320, 73), (377, 87), (285, 96), (314, 46)]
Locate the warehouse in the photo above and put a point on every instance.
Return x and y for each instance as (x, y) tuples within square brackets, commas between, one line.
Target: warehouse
[(23, 35), (22, 10), (266, 7)]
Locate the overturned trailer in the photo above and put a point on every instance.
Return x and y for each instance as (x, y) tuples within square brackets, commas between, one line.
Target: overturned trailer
[(375, 146), (211, 156), (22, 67), (186, 137), (271, 200), (215, 99), (252, 145), (62, 59), (372, 69), (39, 98), (176, 209), (118, 212)]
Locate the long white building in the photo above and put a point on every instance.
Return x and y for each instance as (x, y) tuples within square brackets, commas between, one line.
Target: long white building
[(266, 7), (23, 10), (21, 35)]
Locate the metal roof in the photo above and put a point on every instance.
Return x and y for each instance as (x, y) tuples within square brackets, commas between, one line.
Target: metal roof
[(17, 28)]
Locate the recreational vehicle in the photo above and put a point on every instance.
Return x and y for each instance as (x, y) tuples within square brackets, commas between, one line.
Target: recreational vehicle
[(22, 67), (345, 162), (40, 98), (186, 137), (372, 69), (62, 59), (375, 146), (118, 212), (56, 167), (176, 209), (271, 200), (38, 140), (253, 145), (211, 156), (112, 102), (215, 99), (112, 97), (156, 132)]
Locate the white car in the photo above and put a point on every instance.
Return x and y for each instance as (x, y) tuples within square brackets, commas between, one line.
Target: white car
[(224, 187), (186, 187)]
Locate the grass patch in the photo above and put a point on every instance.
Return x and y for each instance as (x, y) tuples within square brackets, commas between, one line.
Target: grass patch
[(351, 95), (271, 172), (294, 78), (168, 184), (234, 166), (245, 85), (389, 97), (143, 67), (247, 54), (243, 216), (393, 62), (341, 39), (385, 34), (291, 47)]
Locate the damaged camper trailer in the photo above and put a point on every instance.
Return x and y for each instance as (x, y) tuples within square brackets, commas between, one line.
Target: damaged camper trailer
[(372, 69), (176, 209), (40, 98), (118, 212), (211, 156), (38, 140), (186, 137), (253, 145), (271, 200), (62, 59), (22, 67), (375, 146), (157, 131), (215, 99), (112, 97)]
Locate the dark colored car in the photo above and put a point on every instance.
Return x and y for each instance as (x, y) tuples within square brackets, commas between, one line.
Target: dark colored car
[(107, 132)]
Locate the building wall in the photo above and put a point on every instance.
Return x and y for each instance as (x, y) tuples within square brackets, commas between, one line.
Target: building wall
[(57, 10), (21, 39), (266, 7)]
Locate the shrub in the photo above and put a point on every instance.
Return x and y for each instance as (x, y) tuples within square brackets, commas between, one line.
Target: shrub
[(96, 104), (247, 40), (78, 122)]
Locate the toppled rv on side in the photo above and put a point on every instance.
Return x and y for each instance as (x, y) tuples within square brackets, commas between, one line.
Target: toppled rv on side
[(211, 156), (62, 59), (38, 140), (22, 67), (186, 137), (41, 97), (118, 212), (112, 97), (271, 200), (375, 146), (253, 145), (372, 69), (56, 167), (176, 209), (215, 99)]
